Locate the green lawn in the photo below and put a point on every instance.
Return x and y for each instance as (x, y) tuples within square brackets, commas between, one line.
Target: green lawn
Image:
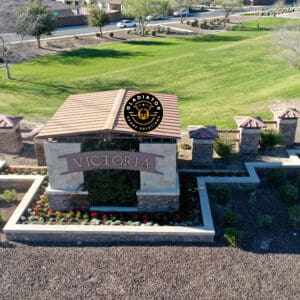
[(215, 77)]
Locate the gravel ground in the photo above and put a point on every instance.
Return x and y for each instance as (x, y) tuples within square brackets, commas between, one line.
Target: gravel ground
[(128, 272)]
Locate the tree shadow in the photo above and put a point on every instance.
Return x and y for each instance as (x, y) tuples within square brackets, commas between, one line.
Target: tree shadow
[(86, 53), (215, 38), (149, 43)]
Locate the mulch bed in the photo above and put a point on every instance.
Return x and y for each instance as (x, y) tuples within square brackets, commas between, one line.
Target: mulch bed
[(281, 237)]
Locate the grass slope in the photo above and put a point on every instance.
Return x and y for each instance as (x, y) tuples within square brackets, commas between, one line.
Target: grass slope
[(215, 76)]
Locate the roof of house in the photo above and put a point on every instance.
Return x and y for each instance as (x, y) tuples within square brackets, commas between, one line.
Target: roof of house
[(102, 112), (286, 113), (203, 132), (7, 122), (249, 122)]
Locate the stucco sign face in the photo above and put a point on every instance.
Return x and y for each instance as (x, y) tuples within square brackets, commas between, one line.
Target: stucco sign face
[(143, 112)]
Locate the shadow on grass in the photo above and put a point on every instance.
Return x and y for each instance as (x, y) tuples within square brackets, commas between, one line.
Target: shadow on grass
[(215, 38), (78, 56), (31, 87), (149, 43)]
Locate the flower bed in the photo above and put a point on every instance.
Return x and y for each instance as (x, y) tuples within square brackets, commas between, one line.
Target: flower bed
[(188, 215), (24, 171)]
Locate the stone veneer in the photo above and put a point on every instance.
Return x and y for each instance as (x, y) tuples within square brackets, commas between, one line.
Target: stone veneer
[(202, 153), (40, 152), (158, 203), (287, 127), (68, 201), (11, 140), (249, 141)]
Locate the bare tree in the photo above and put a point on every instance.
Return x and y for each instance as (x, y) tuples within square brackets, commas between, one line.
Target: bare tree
[(229, 7), (6, 21), (34, 19), (288, 39)]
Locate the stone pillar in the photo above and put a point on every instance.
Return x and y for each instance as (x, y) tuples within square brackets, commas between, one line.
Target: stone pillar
[(40, 151), (286, 120), (64, 190), (11, 140), (203, 144), (159, 191), (250, 131)]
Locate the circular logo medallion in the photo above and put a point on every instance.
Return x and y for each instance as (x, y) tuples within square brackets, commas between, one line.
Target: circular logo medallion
[(143, 112)]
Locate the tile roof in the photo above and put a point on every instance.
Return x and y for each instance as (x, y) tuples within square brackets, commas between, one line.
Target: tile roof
[(249, 122), (9, 121), (286, 113), (102, 112), (203, 132)]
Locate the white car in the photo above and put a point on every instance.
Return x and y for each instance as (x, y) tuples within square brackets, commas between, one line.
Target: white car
[(126, 24), (155, 16), (184, 12)]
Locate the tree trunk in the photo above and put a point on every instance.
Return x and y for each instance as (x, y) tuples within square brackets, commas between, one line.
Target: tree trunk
[(100, 27), (38, 39), (7, 69)]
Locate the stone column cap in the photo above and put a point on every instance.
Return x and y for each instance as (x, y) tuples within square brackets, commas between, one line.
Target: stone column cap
[(285, 113), (249, 122), (203, 132), (7, 122)]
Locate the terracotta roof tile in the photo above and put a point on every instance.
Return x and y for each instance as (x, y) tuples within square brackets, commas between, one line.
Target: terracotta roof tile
[(103, 112), (249, 122)]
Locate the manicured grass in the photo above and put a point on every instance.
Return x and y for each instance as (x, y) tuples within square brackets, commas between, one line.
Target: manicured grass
[(215, 76)]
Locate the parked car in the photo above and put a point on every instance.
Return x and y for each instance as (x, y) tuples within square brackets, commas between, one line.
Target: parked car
[(155, 16), (184, 12), (126, 24)]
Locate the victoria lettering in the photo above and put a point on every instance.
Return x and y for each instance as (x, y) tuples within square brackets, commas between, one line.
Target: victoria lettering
[(123, 160)]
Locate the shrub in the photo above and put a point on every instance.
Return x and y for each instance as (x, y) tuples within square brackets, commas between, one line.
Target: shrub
[(234, 237), (224, 147), (111, 34), (1, 220), (265, 221), (153, 32), (230, 219), (288, 193), (10, 195), (276, 177), (294, 215), (223, 194), (269, 139)]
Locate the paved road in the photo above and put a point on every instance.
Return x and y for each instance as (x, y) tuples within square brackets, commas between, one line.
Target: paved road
[(81, 30)]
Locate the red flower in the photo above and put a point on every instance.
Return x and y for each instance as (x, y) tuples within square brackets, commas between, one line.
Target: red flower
[(77, 212), (104, 217), (177, 215), (38, 215), (145, 221), (34, 208), (94, 214), (51, 211)]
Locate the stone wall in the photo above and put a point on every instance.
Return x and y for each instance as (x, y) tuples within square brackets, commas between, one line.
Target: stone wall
[(202, 152), (68, 201), (158, 203), (10, 140)]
